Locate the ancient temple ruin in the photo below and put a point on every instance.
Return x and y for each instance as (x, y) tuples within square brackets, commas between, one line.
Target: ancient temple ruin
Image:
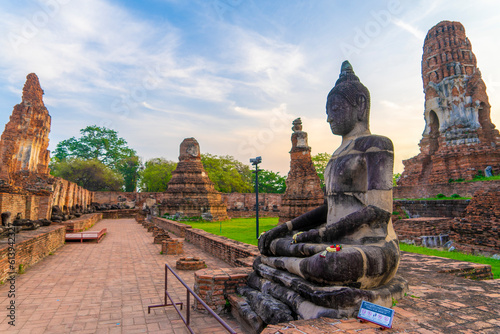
[(24, 142), (303, 190), (27, 190), (190, 192), (459, 140)]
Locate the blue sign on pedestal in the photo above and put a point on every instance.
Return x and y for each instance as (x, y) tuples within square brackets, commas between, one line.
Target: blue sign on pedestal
[(377, 314)]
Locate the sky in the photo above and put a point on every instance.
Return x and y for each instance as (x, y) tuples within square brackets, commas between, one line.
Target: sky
[(231, 73)]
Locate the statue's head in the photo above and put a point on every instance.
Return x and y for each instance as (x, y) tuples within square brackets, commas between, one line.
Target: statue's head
[(348, 102), (297, 125)]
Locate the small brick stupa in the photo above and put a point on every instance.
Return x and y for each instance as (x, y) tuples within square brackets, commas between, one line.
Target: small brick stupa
[(24, 158), (303, 190), (190, 192), (459, 139)]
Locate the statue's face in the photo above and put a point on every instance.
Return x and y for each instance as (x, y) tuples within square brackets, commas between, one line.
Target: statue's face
[(341, 115)]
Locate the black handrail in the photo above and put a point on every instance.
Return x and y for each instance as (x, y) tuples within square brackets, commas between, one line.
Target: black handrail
[(188, 313)]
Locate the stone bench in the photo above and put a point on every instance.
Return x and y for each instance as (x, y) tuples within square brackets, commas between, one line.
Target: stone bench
[(87, 235)]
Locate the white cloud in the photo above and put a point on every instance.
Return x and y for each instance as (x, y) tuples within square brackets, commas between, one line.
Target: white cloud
[(420, 35)]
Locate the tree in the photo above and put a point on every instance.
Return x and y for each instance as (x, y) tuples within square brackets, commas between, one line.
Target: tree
[(320, 161), (129, 168), (271, 182), (96, 142), (227, 173), (156, 174), (104, 145), (91, 174)]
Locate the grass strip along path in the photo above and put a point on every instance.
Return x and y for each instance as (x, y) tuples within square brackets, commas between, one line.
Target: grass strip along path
[(240, 229), (244, 229)]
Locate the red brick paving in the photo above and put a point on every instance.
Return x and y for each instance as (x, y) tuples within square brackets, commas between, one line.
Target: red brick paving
[(106, 288)]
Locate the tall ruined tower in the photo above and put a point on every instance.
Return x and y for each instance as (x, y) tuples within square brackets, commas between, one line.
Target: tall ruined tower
[(24, 142), (459, 139), (303, 190)]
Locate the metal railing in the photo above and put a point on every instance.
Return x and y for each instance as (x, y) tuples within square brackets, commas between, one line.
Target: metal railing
[(189, 292)]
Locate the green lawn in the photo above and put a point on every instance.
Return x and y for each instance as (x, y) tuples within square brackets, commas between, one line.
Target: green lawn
[(240, 229), (243, 229)]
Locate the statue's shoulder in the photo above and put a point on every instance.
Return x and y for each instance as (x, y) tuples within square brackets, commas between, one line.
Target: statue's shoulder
[(373, 142)]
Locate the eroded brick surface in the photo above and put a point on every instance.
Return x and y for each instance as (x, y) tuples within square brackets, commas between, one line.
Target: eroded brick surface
[(190, 191), (303, 191), (25, 184), (459, 138)]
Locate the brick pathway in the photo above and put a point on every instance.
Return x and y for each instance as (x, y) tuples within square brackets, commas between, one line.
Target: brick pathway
[(105, 288)]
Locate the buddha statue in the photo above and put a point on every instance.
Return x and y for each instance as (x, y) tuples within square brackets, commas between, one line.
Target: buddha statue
[(326, 261), (349, 240)]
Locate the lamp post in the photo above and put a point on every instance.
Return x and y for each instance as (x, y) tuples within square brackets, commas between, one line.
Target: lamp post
[(256, 163)]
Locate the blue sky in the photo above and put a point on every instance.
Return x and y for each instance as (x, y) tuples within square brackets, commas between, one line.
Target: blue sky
[(231, 73)]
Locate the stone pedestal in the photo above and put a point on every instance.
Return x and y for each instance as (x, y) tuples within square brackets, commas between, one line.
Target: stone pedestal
[(172, 247), (288, 296), (190, 263), (214, 286)]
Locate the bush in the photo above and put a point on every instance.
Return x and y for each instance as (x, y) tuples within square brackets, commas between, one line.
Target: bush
[(455, 196), (440, 196)]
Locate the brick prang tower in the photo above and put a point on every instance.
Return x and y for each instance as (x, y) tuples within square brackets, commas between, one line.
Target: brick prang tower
[(459, 140)]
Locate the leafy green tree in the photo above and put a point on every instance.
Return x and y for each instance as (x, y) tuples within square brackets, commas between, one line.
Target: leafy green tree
[(227, 173), (129, 168), (271, 182), (96, 142), (320, 161), (104, 145), (91, 174), (156, 174)]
